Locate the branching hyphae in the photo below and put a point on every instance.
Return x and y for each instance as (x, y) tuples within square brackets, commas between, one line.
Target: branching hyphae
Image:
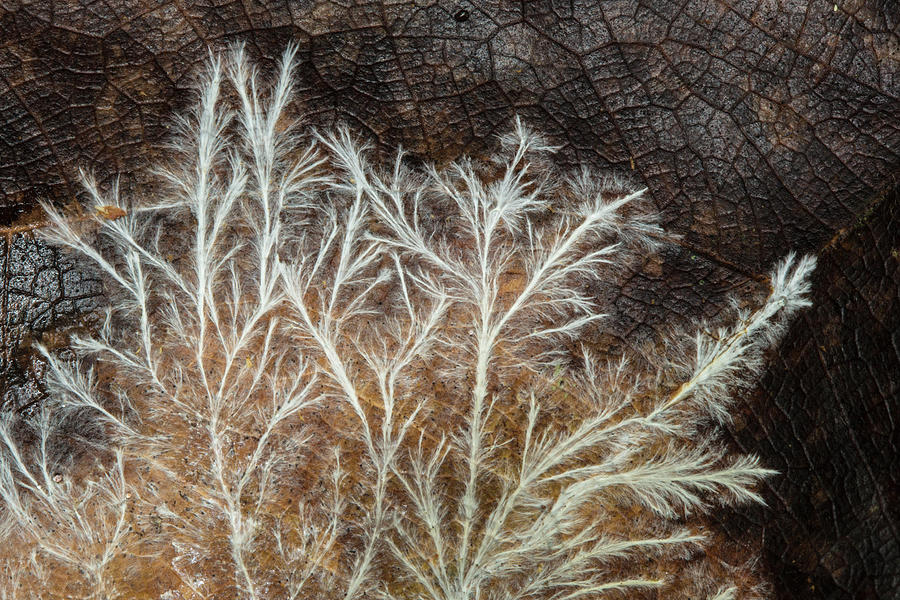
[(326, 377)]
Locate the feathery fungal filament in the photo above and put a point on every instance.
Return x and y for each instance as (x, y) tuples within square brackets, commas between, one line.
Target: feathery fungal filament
[(356, 379)]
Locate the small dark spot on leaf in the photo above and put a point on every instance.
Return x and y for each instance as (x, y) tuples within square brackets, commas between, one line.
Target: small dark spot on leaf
[(461, 16)]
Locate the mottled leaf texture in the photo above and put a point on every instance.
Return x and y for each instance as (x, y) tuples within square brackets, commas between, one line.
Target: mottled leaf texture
[(756, 125)]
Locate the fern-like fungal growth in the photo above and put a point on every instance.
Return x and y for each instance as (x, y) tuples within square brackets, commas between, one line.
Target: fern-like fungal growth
[(321, 377)]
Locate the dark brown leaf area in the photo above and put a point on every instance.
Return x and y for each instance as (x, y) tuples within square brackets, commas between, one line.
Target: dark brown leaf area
[(826, 418), (757, 125), (42, 291)]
